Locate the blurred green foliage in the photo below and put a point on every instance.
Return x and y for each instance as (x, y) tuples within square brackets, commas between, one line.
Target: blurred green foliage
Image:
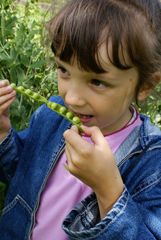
[(23, 57), (3, 192), (151, 106)]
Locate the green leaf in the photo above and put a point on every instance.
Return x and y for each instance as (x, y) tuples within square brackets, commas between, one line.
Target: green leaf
[(36, 52), (13, 65), (13, 76), (38, 64), (33, 24), (21, 76), (7, 45), (9, 33), (14, 111), (10, 23), (4, 57), (31, 35), (16, 102), (25, 60), (66, 168), (2, 26), (13, 53), (22, 109), (21, 33)]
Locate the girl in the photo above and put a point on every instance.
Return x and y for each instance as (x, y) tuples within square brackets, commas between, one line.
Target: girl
[(108, 53)]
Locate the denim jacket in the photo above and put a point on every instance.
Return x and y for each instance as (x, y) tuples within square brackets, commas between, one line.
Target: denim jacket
[(28, 157)]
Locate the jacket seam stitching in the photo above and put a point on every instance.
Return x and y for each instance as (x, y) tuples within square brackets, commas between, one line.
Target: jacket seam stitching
[(83, 211), (17, 199), (141, 190), (108, 225)]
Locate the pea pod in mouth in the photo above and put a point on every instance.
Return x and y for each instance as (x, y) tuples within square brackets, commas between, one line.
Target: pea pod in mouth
[(64, 112)]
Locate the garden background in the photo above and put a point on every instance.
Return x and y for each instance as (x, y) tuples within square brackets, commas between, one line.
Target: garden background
[(26, 60)]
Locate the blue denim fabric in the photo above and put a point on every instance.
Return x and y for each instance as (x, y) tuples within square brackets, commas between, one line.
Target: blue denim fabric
[(27, 158)]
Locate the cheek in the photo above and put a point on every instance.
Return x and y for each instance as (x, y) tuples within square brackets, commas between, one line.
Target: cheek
[(61, 88), (128, 92)]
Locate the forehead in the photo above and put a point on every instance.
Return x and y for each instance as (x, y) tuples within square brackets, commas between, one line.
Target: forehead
[(106, 55)]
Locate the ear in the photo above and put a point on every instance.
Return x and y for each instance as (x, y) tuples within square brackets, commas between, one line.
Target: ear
[(146, 90)]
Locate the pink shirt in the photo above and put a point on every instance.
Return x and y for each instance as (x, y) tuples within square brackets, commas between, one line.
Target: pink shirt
[(63, 191)]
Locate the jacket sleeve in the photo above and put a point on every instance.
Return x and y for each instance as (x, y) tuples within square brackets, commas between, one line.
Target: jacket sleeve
[(126, 220), (13, 146), (11, 149), (136, 214)]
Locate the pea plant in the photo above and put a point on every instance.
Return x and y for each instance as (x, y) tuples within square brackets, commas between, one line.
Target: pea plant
[(23, 58), (151, 106)]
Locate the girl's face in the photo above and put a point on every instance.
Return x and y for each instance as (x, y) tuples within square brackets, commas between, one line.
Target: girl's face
[(100, 100)]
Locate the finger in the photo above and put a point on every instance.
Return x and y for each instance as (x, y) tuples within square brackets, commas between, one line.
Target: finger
[(70, 152), (67, 154), (7, 94), (4, 90), (75, 140), (4, 108), (95, 134), (3, 83), (8, 98), (75, 128)]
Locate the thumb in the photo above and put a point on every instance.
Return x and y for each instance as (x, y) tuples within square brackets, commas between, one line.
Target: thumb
[(95, 134), (75, 129)]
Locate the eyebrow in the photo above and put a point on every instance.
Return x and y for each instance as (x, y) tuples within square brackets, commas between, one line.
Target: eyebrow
[(101, 75), (57, 62)]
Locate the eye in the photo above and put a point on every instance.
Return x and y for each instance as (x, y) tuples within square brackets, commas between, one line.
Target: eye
[(62, 70), (98, 83)]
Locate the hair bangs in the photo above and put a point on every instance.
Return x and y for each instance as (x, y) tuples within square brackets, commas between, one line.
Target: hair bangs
[(78, 31)]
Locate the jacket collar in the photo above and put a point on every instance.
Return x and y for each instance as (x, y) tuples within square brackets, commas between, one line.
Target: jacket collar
[(138, 139)]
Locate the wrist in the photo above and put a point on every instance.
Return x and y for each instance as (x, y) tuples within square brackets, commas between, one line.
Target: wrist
[(107, 199), (3, 135)]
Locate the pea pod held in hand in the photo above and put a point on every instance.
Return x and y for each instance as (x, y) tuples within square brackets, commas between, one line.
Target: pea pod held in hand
[(64, 112), (29, 93)]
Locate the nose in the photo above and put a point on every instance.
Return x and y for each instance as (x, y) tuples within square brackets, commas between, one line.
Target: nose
[(75, 96)]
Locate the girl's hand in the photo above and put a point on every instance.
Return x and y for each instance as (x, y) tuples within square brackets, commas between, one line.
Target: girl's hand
[(7, 96), (94, 165)]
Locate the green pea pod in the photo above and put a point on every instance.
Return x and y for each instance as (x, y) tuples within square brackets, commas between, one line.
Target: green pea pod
[(64, 112), (29, 93)]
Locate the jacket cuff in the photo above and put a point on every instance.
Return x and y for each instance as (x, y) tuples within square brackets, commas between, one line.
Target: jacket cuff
[(83, 222)]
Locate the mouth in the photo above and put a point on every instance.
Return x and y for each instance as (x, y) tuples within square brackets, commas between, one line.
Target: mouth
[(83, 117)]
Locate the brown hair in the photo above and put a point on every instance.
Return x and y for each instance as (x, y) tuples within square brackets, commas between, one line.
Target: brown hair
[(134, 26)]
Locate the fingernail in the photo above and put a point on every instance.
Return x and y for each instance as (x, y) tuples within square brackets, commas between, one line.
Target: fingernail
[(13, 92), (9, 88), (83, 127), (2, 83)]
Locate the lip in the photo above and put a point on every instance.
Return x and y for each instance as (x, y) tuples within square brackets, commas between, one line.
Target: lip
[(83, 120)]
